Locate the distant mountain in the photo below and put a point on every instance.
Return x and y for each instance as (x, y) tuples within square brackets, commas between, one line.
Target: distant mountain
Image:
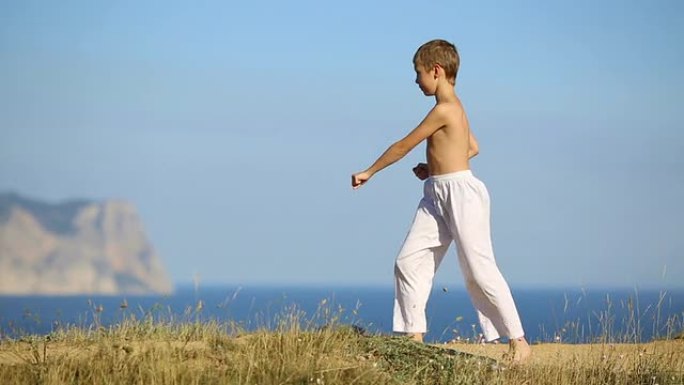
[(76, 247)]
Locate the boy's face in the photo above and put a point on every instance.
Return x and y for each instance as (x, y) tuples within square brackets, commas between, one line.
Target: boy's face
[(426, 80)]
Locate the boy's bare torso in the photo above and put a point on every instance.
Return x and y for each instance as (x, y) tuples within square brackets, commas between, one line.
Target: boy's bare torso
[(448, 147), (445, 128)]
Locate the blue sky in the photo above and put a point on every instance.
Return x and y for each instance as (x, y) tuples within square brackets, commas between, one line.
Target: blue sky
[(234, 127)]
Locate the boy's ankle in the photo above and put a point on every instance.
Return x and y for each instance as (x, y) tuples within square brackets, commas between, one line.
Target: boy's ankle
[(418, 337), (517, 341), (519, 351)]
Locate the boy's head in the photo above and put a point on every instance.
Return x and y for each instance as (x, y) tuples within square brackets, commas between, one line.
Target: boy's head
[(438, 53)]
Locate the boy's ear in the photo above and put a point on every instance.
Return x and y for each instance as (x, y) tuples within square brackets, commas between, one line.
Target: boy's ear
[(436, 69)]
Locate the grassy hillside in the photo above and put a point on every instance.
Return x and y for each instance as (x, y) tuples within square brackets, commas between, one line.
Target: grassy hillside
[(145, 352)]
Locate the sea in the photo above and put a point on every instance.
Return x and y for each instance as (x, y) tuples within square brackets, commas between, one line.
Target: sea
[(548, 314)]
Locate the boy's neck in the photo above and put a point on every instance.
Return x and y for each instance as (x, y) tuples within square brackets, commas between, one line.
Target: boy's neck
[(445, 93)]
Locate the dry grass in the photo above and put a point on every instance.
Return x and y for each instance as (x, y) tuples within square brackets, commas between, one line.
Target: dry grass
[(295, 350), (144, 352), (185, 354), (658, 362)]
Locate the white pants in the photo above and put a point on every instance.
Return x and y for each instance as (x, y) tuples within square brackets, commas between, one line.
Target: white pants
[(455, 207)]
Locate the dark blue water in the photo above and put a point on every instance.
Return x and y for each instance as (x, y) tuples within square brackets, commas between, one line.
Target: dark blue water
[(547, 314)]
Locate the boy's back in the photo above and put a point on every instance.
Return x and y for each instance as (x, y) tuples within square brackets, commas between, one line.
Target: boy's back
[(448, 147)]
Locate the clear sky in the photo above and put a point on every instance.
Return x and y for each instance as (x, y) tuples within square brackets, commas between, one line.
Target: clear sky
[(234, 127)]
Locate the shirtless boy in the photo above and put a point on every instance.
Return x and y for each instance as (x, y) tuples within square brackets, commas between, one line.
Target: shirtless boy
[(454, 207)]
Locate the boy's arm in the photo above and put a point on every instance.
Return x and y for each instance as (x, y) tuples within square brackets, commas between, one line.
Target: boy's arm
[(434, 120), (473, 148)]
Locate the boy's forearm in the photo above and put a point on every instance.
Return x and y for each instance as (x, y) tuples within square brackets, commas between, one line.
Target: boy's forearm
[(391, 155)]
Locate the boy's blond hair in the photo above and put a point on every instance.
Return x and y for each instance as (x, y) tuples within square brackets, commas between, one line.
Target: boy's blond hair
[(438, 52)]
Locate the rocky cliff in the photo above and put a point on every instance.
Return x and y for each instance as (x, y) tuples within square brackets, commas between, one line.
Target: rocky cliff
[(76, 247)]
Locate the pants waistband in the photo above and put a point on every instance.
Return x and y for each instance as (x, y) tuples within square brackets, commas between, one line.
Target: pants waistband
[(451, 175)]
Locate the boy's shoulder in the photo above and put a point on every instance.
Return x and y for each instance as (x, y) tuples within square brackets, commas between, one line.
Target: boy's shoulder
[(448, 109)]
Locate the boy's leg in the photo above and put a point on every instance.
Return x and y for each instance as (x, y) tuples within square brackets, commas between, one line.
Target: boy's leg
[(489, 330), (486, 285), (422, 252)]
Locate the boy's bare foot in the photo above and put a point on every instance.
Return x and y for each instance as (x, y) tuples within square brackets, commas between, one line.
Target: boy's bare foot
[(418, 337), (519, 351)]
